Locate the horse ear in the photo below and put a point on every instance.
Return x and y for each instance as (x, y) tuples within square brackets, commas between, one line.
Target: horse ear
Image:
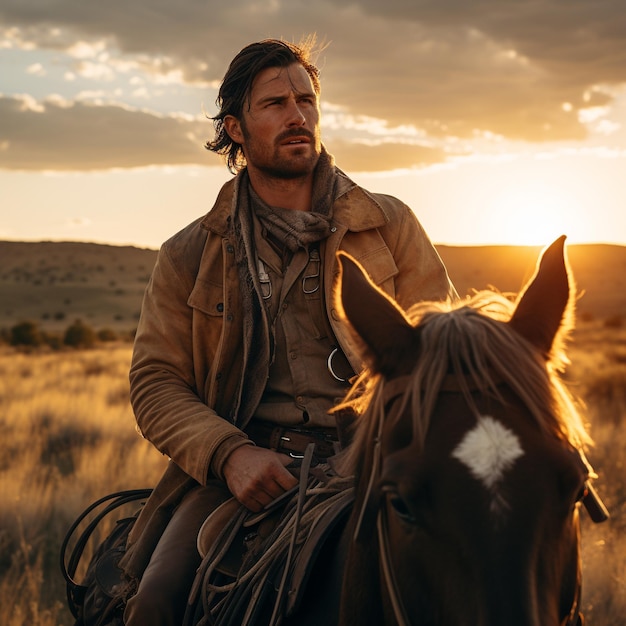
[(545, 304), (377, 320)]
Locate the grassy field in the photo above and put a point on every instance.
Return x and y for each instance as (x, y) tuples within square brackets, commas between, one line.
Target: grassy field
[(598, 376), (68, 437)]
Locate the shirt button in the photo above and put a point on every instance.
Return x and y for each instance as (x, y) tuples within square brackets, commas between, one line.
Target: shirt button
[(220, 307), (333, 229), (229, 248), (293, 355), (300, 399)]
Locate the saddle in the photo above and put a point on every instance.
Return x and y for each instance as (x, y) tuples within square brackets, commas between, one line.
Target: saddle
[(253, 560)]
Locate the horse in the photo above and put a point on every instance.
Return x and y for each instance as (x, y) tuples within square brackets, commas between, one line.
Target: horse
[(469, 459), (467, 463)]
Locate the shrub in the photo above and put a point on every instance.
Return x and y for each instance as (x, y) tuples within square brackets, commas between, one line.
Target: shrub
[(79, 335), (26, 334), (107, 334)]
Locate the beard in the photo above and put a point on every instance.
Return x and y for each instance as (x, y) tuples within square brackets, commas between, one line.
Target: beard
[(283, 162)]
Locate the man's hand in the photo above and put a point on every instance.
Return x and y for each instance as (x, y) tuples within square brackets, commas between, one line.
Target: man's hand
[(257, 476)]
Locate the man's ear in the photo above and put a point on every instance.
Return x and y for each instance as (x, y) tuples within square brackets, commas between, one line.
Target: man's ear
[(233, 128)]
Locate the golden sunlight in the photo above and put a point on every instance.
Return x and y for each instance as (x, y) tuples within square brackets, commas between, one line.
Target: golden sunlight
[(536, 213)]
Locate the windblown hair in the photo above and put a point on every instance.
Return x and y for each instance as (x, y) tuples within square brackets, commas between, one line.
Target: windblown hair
[(471, 341), (236, 87)]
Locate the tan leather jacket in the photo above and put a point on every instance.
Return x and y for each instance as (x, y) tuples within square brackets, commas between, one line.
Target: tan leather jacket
[(187, 360)]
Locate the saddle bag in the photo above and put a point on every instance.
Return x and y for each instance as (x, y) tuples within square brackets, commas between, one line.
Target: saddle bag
[(99, 599)]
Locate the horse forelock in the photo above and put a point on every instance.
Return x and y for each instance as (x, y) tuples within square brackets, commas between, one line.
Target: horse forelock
[(472, 341)]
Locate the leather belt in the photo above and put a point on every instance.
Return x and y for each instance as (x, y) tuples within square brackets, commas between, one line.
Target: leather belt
[(294, 441)]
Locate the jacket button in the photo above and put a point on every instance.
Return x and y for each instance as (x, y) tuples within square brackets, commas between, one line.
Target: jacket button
[(333, 229), (229, 248), (220, 307)]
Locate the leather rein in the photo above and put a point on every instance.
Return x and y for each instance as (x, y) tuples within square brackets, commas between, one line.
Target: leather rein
[(394, 389)]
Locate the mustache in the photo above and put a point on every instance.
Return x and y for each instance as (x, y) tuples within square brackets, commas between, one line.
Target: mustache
[(295, 132)]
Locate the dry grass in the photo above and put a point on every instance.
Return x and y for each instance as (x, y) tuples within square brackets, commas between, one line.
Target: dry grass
[(68, 438), (598, 375)]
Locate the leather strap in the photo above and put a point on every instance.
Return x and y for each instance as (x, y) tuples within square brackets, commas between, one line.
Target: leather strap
[(294, 441)]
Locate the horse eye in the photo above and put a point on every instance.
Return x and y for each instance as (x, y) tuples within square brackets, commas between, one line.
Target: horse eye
[(400, 507)]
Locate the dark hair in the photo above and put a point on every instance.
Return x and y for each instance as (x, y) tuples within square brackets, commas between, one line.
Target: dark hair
[(237, 85)]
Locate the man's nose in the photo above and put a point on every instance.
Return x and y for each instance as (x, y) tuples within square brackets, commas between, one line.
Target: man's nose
[(295, 116)]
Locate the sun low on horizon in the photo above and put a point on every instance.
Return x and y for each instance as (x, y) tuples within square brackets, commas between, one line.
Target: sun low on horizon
[(524, 201), (534, 202), (536, 213)]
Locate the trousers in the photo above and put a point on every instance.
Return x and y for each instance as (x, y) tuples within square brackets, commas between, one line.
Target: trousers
[(161, 597)]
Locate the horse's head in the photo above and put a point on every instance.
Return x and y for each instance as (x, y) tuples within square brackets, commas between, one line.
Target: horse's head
[(468, 454)]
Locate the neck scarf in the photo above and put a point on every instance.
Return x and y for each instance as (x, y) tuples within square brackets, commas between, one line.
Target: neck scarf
[(294, 229)]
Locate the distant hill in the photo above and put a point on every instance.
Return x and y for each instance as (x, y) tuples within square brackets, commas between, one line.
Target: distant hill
[(55, 283), (599, 271)]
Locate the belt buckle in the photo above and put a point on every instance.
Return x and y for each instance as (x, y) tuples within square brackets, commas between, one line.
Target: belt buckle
[(293, 455)]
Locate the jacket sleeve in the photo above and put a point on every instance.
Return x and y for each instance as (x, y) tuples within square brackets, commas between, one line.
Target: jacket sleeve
[(168, 409), (422, 274)]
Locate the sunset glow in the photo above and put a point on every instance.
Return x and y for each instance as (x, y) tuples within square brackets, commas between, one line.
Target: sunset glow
[(486, 125), (536, 213)]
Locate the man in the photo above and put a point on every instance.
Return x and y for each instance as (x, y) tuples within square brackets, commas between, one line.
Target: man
[(239, 353)]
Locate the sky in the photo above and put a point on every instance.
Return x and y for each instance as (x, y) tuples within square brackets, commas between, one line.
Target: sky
[(496, 121)]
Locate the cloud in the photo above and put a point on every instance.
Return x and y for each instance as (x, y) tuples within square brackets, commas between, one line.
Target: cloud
[(360, 157), (61, 135), (401, 80), (449, 67)]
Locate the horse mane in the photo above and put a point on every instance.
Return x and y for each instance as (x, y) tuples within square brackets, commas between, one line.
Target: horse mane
[(471, 340)]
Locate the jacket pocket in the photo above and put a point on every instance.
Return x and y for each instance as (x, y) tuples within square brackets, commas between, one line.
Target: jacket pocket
[(380, 265), (208, 298)]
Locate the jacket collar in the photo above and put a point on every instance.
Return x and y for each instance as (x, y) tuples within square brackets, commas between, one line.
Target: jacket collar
[(355, 208)]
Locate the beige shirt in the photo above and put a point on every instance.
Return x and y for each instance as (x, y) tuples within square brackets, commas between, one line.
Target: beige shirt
[(301, 387)]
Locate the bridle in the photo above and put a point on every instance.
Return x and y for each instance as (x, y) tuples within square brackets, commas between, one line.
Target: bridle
[(392, 390)]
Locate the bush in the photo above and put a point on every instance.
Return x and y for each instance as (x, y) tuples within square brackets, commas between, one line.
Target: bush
[(79, 335), (26, 334), (107, 334)]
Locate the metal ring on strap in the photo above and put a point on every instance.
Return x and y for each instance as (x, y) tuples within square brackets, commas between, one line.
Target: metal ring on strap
[(329, 364)]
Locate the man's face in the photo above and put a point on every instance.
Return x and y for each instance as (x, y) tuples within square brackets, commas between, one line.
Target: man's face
[(279, 130)]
